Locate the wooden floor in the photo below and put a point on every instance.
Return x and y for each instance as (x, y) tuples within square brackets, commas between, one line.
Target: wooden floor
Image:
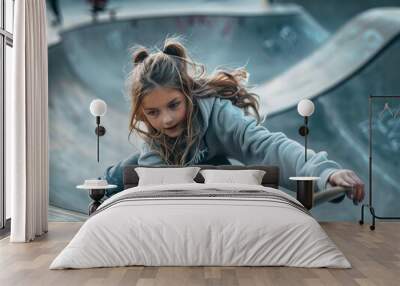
[(374, 255)]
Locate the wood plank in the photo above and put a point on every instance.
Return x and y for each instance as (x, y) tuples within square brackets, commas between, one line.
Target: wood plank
[(374, 255)]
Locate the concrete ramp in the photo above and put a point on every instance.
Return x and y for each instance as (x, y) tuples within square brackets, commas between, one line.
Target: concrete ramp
[(353, 47), (361, 59)]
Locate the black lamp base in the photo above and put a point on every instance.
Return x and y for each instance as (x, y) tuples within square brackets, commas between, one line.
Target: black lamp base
[(96, 195)]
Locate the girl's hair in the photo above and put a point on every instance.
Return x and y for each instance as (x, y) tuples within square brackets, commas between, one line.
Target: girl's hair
[(171, 67)]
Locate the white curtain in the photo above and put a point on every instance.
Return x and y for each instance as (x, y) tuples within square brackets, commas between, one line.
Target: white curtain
[(28, 120)]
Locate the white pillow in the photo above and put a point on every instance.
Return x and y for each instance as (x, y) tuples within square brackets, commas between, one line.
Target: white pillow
[(164, 176), (248, 177)]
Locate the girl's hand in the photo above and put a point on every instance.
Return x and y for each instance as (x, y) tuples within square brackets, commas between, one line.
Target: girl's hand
[(347, 178)]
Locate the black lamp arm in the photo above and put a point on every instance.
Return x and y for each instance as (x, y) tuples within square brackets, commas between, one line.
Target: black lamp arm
[(303, 130), (100, 131)]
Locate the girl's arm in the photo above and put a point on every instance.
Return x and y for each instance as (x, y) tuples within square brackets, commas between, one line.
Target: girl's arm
[(149, 157), (114, 173), (238, 136)]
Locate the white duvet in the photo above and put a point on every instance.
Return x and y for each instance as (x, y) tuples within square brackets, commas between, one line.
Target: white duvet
[(180, 231)]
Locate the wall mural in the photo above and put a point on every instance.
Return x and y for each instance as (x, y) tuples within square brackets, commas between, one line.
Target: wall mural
[(92, 61)]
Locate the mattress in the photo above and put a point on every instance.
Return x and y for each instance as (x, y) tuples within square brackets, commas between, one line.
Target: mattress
[(201, 225)]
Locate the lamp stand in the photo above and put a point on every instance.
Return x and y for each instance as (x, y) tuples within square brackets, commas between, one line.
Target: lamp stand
[(100, 131), (303, 131)]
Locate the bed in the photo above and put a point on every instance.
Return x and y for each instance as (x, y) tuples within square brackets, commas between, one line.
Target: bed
[(201, 224)]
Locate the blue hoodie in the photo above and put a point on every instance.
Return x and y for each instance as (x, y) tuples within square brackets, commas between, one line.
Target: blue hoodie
[(227, 132)]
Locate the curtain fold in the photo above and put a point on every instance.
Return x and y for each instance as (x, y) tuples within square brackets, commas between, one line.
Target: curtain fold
[(28, 159)]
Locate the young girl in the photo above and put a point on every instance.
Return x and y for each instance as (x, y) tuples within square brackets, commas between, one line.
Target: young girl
[(192, 118)]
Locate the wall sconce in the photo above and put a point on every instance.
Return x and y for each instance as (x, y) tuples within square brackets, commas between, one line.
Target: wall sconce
[(305, 108), (98, 108)]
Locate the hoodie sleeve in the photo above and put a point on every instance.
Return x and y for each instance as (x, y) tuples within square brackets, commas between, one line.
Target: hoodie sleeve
[(240, 137), (149, 157), (114, 173)]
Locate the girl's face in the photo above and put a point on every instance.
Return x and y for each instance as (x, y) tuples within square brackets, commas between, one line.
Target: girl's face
[(165, 110)]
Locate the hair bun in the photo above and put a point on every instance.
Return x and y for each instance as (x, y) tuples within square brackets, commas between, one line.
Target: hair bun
[(140, 55), (173, 48)]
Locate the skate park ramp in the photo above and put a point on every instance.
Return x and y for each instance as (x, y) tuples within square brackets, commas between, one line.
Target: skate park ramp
[(92, 61), (361, 59), (353, 47), (333, 14)]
